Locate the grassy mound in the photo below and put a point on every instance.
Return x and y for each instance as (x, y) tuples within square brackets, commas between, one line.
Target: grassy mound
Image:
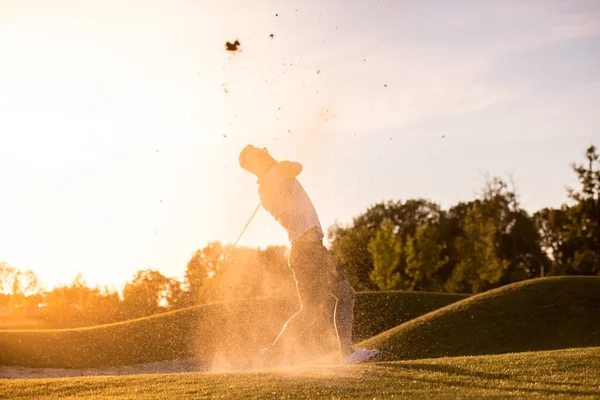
[(540, 314), (549, 374), (224, 331), (376, 312)]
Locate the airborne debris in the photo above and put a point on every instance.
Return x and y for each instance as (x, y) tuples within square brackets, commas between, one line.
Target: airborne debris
[(233, 47), (225, 136), (318, 71), (271, 36)]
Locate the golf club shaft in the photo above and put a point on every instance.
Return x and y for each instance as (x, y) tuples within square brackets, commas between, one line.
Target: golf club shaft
[(250, 220)]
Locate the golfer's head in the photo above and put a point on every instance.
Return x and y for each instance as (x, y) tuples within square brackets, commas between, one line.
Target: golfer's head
[(256, 161)]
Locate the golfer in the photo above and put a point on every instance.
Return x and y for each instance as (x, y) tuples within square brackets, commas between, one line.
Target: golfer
[(316, 273)]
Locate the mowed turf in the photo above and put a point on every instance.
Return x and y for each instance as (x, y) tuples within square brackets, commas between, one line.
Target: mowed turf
[(539, 314), (229, 331), (572, 373)]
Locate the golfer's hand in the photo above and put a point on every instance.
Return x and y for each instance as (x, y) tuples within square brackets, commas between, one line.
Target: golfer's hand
[(289, 169)]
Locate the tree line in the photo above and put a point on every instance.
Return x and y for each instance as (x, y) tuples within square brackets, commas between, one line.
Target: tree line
[(471, 247)]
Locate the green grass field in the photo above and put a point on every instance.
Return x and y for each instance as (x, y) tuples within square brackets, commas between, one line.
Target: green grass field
[(537, 338), (573, 373), (228, 329), (538, 314)]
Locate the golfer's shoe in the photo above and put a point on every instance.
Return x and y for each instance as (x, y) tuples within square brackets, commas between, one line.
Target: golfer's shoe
[(359, 355)]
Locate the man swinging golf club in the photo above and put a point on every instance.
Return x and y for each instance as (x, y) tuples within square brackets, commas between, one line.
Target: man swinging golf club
[(316, 273)]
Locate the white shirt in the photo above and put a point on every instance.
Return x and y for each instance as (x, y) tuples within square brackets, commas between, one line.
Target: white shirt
[(286, 200)]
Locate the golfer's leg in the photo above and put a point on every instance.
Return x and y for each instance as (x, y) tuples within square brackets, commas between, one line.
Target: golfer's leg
[(295, 327), (344, 315)]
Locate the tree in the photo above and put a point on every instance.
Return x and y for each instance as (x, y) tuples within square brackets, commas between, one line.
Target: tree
[(176, 295), (77, 304), (584, 217), (570, 235), (386, 250), (18, 285), (103, 305), (146, 294), (349, 244), (424, 258), (480, 267), (204, 264), (349, 247), (551, 225), (15, 281), (516, 239), (221, 273)]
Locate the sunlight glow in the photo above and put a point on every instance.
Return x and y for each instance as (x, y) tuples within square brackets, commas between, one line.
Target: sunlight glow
[(121, 122)]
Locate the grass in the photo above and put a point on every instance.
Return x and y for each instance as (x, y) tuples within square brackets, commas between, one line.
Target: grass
[(539, 314), (376, 312), (573, 373), (225, 329), (502, 345)]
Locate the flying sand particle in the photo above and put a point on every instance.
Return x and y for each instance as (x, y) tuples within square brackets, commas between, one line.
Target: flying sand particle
[(271, 36)]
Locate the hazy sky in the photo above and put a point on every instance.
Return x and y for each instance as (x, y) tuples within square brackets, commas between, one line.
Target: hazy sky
[(379, 100)]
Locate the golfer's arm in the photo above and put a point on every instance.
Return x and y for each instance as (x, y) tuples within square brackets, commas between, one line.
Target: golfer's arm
[(289, 169)]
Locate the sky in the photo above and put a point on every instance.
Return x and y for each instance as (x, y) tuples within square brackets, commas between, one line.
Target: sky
[(121, 121)]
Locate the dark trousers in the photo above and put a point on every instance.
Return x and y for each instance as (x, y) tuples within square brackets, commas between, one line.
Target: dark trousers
[(318, 277)]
